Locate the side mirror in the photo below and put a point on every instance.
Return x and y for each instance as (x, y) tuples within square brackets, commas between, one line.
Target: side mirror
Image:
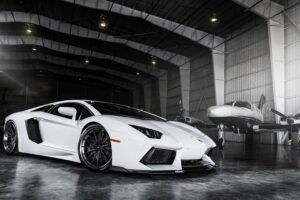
[(68, 111)]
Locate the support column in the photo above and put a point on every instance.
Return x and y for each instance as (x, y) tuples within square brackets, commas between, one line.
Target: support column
[(163, 93), (276, 45), (218, 60), (185, 74), (147, 96)]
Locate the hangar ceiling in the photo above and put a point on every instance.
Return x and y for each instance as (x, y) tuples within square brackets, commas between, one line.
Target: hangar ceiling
[(127, 45)]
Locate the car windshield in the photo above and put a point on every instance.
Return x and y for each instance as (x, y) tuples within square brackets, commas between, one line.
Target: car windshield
[(121, 110), (243, 104)]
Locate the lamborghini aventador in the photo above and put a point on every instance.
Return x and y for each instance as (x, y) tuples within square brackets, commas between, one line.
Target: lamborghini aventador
[(106, 136)]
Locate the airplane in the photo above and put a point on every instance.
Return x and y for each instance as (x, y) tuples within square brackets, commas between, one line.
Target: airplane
[(238, 116), (243, 117)]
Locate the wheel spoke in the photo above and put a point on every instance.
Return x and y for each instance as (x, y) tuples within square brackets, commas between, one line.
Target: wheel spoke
[(96, 137), (104, 155), (104, 141), (105, 145), (89, 151)]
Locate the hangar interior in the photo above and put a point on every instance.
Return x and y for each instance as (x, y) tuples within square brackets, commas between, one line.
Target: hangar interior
[(165, 57)]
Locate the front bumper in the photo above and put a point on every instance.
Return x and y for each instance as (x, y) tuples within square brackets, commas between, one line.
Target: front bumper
[(201, 165), (159, 156)]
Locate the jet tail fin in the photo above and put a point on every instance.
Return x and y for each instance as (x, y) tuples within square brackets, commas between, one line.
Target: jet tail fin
[(262, 102)]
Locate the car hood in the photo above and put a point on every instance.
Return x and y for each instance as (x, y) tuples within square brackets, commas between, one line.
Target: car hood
[(182, 133)]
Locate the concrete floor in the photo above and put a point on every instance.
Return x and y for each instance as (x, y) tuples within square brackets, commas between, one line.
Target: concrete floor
[(244, 172)]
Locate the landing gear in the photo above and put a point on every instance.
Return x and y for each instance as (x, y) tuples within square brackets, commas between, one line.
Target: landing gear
[(221, 140), (298, 139), (290, 142)]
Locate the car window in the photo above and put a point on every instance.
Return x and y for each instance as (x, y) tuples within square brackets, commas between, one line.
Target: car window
[(43, 108), (121, 110), (82, 111), (85, 113)]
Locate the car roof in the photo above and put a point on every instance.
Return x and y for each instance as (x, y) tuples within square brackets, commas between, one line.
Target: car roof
[(87, 102)]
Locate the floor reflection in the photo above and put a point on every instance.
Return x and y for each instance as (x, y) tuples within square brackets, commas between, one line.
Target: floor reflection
[(247, 172)]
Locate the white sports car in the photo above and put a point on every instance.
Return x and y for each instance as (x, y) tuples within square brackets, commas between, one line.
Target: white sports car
[(105, 136)]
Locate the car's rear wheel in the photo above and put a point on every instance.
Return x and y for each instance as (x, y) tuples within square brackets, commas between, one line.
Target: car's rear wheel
[(10, 138), (94, 148)]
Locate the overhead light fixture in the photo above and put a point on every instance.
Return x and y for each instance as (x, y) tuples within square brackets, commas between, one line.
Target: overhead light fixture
[(214, 18), (103, 22), (153, 61), (1, 71), (34, 48), (87, 61), (41, 71), (138, 73), (80, 79), (28, 29)]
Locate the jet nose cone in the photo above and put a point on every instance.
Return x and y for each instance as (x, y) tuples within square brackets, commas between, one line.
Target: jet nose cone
[(212, 111)]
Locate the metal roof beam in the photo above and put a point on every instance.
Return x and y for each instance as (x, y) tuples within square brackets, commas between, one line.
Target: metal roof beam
[(265, 8), (62, 71), (70, 63), (67, 28), (62, 47), (203, 38)]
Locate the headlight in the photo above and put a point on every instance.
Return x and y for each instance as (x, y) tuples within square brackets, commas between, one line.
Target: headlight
[(150, 133)]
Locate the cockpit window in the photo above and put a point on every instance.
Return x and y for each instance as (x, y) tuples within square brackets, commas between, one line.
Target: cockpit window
[(229, 103), (243, 104)]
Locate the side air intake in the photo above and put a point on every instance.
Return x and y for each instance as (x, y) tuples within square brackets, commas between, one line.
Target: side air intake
[(157, 156)]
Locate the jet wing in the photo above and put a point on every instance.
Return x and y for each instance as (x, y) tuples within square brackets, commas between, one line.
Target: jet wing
[(267, 127)]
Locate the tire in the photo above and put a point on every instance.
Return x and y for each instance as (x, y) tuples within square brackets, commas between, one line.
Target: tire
[(10, 138), (94, 148)]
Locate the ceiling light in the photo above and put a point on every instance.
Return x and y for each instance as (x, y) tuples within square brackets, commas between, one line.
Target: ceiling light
[(41, 71), (103, 22), (214, 18), (34, 49), (138, 73), (153, 61), (1, 71), (80, 79), (87, 61), (28, 29)]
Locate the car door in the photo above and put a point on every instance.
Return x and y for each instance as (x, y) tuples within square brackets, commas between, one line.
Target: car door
[(59, 131)]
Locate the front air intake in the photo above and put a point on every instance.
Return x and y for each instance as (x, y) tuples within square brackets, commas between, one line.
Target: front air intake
[(157, 156)]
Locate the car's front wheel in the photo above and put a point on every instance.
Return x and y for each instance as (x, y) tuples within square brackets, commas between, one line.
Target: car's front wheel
[(94, 148), (10, 138)]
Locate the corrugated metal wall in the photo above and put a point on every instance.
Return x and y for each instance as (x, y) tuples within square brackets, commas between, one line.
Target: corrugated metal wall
[(248, 68), (292, 59), (202, 85), (174, 94)]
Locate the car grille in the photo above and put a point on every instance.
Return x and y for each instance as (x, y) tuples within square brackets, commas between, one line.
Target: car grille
[(156, 156)]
